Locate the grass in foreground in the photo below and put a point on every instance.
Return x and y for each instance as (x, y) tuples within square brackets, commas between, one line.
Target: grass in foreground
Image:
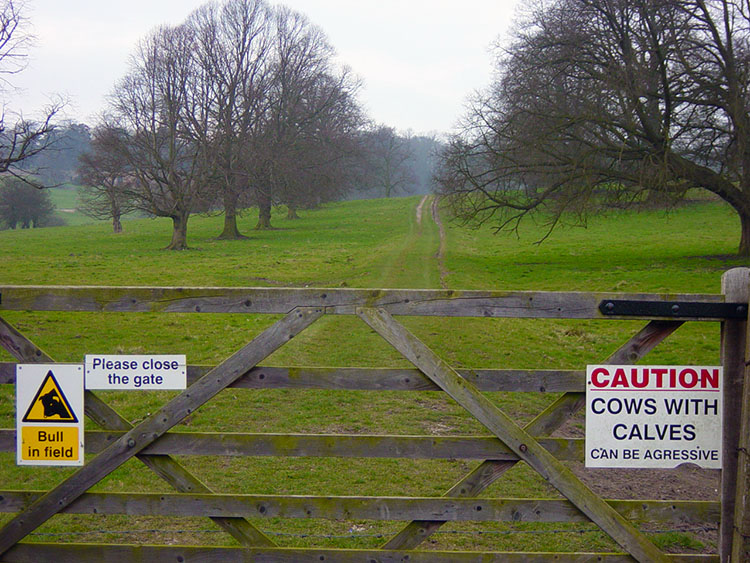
[(355, 244)]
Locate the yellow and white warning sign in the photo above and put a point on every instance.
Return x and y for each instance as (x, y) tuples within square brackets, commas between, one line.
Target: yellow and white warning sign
[(49, 414)]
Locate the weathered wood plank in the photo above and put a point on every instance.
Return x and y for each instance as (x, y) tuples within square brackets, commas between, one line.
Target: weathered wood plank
[(546, 422), (385, 379), (18, 345), (96, 553), (528, 304), (156, 425), (741, 538), (7, 373), (366, 508), (105, 416), (323, 445), (735, 284), (380, 379), (468, 396)]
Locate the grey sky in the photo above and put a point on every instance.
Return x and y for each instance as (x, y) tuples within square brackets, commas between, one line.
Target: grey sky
[(418, 60)]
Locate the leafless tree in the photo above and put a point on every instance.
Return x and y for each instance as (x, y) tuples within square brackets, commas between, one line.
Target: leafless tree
[(106, 177), (387, 161), (241, 105), (161, 106), (600, 100), (309, 119), (20, 139), (234, 55)]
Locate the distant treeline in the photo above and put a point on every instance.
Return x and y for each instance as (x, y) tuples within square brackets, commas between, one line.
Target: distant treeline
[(415, 154)]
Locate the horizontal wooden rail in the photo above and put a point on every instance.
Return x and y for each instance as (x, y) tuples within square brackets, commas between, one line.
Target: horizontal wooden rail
[(95, 553), (337, 301), (382, 379), (365, 508), (325, 445)]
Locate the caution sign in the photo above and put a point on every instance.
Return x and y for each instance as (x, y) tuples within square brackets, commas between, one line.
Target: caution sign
[(49, 414), (653, 416), (50, 404)]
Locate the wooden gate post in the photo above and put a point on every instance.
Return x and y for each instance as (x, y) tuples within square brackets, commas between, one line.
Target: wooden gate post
[(735, 285), (741, 535)]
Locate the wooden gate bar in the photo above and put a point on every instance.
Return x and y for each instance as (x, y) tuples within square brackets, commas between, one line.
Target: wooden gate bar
[(545, 423), (381, 508), (627, 536), (106, 417), (157, 424), (96, 553), (338, 301), (380, 379), (323, 445)]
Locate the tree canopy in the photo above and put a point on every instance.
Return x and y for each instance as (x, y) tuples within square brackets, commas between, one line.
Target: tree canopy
[(23, 205), (239, 105), (602, 100)]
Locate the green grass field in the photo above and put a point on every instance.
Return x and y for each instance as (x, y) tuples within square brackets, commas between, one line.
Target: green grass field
[(375, 243)]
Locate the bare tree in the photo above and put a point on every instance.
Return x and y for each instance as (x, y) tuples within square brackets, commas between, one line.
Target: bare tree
[(279, 114), (317, 166), (106, 178), (160, 106), (234, 54), (20, 139), (387, 162), (599, 100), (311, 110)]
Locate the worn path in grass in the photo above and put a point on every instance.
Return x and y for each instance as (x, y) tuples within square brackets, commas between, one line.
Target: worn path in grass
[(411, 261), (416, 260)]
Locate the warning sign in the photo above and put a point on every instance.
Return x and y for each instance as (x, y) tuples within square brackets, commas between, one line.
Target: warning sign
[(653, 416), (50, 443), (50, 404), (49, 414)]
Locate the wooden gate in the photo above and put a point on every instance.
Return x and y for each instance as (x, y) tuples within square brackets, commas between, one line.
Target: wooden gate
[(152, 442)]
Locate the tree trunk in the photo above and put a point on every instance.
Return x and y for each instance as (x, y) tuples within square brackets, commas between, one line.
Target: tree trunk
[(116, 224), (291, 212), (745, 236), (179, 233), (230, 232), (264, 212)]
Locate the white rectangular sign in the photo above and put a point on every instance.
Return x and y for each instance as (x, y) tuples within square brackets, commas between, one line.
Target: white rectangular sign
[(128, 372), (49, 414), (653, 416)]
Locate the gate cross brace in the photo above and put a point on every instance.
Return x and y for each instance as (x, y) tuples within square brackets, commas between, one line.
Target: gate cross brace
[(106, 417), (513, 436), (549, 420), (154, 426)]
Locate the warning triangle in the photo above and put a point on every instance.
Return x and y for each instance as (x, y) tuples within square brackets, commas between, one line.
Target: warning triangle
[(49, 404)]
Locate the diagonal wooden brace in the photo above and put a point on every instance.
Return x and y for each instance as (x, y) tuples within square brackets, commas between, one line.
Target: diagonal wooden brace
[(106, 417), (517, 439), (154, 426), (549, 420)]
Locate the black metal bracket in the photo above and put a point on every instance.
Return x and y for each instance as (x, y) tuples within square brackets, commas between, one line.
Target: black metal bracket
[(673, 309)]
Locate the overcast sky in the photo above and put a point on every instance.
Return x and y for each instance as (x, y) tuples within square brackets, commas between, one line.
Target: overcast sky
[(418, 60)]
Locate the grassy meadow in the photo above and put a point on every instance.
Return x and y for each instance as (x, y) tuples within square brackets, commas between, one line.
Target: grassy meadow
[(374, 243)]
